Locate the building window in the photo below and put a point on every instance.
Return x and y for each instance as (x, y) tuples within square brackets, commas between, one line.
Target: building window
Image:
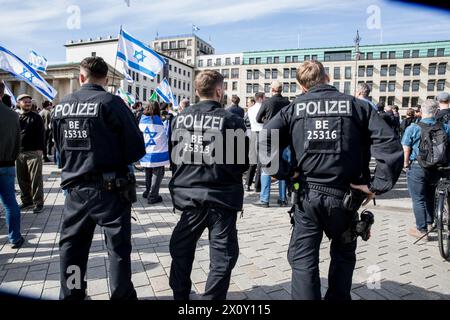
[(184, 86), (256, 74), (414, 102), (174, 83), (255, 88), (314, 57), (234, 73), (227, 61), (287, 59), (348, 73), (249, 88), (432, 69), (391, 101), (293, 73), (369, 71), (237, 60), (269, 60), (406, 85), (173, 44), (405, 102), (431, 84), (415, 53), (276, 60), (441, 68), (369, 56), (225, 86), (337, 73), (189, 42), (383, 70), (415, 85), (306, 57), (266, 87), (383, 86), (130, 89), (440, 52), (392, 69), (249, 74), (285, 73), (285, 87), (252, 61), (370, 84), (209, 63), (267, 74), (391, 54), (295, 59), (293, 87), (391, 86), (327, 70), (406, 53), (336, 85), (347, 87), (137, 93), (383, 55), (361, 71), (144, 94), (218, 62), (274, 73), (226, 73), (416, 70), (441, 85), (430, 53), (200, 64), (258, 60), (188, 86), (189, 74), (382, 100), (234, 85), (407, 70)]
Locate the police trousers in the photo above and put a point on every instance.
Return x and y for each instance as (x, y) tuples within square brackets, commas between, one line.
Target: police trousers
[(320, 213), (87, 206), (223, 251)]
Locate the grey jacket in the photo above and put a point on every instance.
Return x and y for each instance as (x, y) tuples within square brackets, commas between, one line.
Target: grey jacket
[(9, 136)]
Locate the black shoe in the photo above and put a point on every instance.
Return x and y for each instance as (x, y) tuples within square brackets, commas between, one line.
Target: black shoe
[(247, 188), (282, 203), (47, 159), (261, 204), (38, 209), (18, 244), (24, 206), (145, 194), (158, 199)]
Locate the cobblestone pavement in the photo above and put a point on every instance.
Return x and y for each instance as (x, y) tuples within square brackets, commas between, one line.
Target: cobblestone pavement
[(389, 266)]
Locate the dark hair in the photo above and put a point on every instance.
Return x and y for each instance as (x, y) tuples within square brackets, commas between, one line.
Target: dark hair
[(95, 67), (152, 109), (46, 103), (235, 100), (207, 81), (7, 101), (259, 95), (410, 113), (2, 88), (395, 108)]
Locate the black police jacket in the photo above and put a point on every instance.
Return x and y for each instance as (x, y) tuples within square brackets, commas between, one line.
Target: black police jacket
[(332, 136), (95, 133), (209, 166)]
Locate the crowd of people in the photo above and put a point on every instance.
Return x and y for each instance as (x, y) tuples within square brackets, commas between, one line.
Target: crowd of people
[(326, 153)]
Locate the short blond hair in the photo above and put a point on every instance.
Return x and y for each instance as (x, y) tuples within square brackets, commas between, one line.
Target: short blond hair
[(276, 86), (311, 73)]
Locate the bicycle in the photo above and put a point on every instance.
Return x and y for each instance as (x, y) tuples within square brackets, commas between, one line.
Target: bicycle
[(442, 211)]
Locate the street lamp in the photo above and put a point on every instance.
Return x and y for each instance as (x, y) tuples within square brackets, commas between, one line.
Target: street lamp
[(357, 56)]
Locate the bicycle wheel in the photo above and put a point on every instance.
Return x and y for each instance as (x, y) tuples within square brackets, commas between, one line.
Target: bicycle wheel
[(442, 224)]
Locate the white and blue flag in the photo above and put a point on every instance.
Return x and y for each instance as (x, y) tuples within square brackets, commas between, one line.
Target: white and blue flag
[(38, 62), (9, 93), (22, 71), (156, 142), (138, 57), (165, 92), (195, 28)]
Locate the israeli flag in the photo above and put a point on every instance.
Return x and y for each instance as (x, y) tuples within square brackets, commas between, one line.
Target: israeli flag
[(156, 142), (37, 62), (127, 74), (21, 70), (138, 57), (195, 28), (165, 92), (9, 93)]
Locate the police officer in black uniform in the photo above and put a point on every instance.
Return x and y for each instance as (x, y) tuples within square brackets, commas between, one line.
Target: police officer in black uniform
[(207, 187), (97, 138), (330, 134)]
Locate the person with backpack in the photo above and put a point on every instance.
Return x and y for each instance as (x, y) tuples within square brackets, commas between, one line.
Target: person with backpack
[(443, 114), (410, 118), (425, 146)]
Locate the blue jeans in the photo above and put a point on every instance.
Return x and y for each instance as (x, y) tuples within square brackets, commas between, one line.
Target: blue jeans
[(266, 179), (421, 187), (8, 199)]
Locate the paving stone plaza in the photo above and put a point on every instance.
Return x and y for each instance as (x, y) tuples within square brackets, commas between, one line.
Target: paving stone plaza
[(389, 266)]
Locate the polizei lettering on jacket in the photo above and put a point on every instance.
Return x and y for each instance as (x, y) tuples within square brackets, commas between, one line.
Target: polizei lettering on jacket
[(76, 110), (322, 108), (199, 122)]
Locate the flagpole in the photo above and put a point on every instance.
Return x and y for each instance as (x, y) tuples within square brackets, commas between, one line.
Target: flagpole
[(115, 62)]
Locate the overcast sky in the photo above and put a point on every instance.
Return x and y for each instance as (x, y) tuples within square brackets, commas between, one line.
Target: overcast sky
[(231, 25)]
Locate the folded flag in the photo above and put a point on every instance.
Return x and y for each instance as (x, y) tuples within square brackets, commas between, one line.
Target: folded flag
[(139, 57), (22, 71)]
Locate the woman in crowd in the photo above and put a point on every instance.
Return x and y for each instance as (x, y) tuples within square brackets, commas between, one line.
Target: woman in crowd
[(157, 153)]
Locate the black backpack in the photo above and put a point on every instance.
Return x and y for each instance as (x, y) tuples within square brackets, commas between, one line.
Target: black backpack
[(433, 147)]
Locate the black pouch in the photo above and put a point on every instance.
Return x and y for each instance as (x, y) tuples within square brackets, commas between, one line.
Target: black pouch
[(353, 200)]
